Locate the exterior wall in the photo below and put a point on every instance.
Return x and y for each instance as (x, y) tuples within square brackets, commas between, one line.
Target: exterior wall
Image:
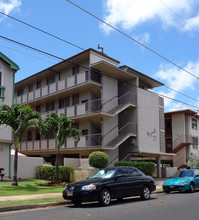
[(180, 158), (113, 156), (4, 158), (94, 58), (7, 81), (178, 126), (148, 122), (26, 166)]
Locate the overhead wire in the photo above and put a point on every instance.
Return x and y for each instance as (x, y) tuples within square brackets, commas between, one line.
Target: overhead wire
[(57, 57), (133, 39), (72, 44)]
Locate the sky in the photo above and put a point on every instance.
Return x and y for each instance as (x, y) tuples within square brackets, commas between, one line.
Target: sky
[(168, 27)]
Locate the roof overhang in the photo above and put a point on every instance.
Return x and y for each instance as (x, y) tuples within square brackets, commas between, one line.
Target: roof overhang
[(113, 71), (12, 65)]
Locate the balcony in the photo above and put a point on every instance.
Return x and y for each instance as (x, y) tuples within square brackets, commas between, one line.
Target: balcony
[(2, 90), (86, 141), (65, 84)]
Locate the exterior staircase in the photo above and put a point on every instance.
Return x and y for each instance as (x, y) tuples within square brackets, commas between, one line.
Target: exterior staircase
[(181, 142), (120, 108)]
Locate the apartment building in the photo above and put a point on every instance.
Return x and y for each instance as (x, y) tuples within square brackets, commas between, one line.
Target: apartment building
[(7, 74), (181, 135), (110, 104)]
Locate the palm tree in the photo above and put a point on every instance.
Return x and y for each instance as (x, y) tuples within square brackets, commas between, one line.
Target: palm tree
[(18, 118), (63, 128)]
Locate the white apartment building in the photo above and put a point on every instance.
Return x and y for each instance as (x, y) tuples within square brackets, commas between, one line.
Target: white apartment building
[(111, 104), (181, 135), (7, 75)]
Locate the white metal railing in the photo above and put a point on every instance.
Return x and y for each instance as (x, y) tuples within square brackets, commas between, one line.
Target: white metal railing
[(86, 141), (182, 139), (66, 83)]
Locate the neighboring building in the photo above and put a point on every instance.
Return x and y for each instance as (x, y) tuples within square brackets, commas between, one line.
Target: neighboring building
[(7, 76), (110, 104), (181, 135)]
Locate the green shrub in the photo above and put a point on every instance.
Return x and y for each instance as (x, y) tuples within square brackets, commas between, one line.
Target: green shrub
[(146, 167), (48, 173), (98, 159)]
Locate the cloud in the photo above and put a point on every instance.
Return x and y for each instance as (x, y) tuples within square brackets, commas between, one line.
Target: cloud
[(130, 13), (180, 81), (144, 38), (8, 6)]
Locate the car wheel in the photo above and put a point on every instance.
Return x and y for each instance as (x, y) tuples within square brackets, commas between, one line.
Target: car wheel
[(146, 193), (105, 197), (192, 188), (167, 191), (76, 202)]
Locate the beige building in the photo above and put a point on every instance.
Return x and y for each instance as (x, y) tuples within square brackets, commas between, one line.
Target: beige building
[(181, 135), (7, 76), (111, 104)]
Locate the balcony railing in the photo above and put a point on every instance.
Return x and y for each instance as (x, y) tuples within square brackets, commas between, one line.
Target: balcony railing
[(2, 89), (64, 84), (86, 141)]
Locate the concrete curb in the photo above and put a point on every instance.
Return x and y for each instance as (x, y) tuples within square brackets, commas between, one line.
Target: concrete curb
[(32, 206), (41, 205)]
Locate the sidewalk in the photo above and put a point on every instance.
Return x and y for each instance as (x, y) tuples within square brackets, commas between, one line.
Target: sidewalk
[(158, 183)]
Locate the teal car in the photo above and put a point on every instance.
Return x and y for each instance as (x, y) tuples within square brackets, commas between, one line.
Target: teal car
[(183, 180)]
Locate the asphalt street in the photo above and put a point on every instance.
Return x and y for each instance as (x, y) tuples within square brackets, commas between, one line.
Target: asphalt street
[(174, 206)]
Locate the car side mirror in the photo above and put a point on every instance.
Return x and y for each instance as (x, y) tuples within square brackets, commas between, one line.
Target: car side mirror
[(196, 176)]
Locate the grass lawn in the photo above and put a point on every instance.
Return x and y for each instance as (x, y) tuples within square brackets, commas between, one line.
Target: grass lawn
[(28, 187), (31, 201)]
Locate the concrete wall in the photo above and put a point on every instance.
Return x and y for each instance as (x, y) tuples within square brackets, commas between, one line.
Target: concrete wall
[(178, 125), (148, 121), (26, 166), (113, 156), (94, 58), (4, 158)]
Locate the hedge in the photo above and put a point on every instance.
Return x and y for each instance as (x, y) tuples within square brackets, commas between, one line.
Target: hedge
[(98, 159), (146, 167), (48, 173)]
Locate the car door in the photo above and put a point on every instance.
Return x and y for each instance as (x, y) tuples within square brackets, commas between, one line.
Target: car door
[(196, 178), (121, 185), (137, 180)]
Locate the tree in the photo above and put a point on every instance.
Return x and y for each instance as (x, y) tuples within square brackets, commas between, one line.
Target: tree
[(193, 162), (19, 118), (63, 128)]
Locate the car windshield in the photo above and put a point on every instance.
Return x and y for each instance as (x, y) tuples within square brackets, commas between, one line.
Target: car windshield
[(103, 174), (184, 173)]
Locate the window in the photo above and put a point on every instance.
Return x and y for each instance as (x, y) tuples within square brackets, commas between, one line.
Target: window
[(20, 92), (75, 70), (122, 171), (85, 132), (29, 136), (30, 88), (194, 124), (50, 134), (37, 135), (195, 142), (38, 84), (65, 102), (134, 172), (50, 106), (50, 80), (75, 99), (38, 108)]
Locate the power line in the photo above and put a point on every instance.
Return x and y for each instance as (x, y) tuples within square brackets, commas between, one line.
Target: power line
[(179, 17), (131, 38), (63, 40), (45, 32), (54, 56)]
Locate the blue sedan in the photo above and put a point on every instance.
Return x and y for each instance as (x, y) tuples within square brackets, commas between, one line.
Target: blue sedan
[(183, 180)]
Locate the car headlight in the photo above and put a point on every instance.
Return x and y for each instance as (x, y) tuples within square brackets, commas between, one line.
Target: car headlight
[(89, 187), (183, 182)]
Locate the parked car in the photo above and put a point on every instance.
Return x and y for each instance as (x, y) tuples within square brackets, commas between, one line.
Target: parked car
[(183, 180), (110, 183)]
